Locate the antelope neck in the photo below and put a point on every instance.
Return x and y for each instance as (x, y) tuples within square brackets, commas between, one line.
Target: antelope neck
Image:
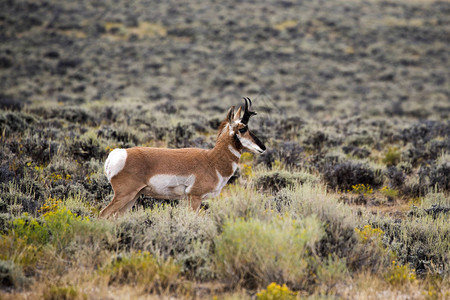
[(223, 156)]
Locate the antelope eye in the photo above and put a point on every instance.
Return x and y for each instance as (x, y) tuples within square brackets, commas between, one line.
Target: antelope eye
[(243, 129)]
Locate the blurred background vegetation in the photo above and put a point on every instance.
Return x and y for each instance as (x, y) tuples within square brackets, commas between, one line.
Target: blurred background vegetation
[(350, 200)]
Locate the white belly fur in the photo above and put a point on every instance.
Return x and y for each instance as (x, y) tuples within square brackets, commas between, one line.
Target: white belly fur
[(171, 186)]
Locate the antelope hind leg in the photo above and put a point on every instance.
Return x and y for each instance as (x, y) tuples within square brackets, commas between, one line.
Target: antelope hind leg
[(121, 202)]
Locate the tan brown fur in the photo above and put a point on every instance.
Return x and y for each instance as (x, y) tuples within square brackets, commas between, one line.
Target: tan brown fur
[(144, 162)]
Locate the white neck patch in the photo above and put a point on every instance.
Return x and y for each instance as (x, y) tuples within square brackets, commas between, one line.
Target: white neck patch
[(234, 151)]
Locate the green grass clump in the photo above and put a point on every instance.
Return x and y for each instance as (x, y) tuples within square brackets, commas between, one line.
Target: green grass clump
[(256, 253), (392, 157), (142, 268), (65, 292), (389, 193)]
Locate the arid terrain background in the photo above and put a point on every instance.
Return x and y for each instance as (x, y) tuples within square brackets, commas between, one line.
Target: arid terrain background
[(350, 200)]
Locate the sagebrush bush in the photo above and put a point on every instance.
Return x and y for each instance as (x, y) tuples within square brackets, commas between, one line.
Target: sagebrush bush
[(87, 146), (276, 180), (16, 122), (11, 275), (396, 177), (25, 196), (255, 253), (289, 153), (343, 175), (174, 232), (340, 238), (181, 136), (421, 240)]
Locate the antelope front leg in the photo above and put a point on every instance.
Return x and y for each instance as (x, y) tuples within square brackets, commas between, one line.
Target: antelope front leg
[(195, 202)]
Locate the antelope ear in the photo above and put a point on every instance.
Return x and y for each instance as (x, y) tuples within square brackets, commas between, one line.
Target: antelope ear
[(237, 115), (230, 114)]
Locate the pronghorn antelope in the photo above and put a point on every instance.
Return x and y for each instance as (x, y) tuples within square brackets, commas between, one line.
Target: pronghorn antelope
[(190, 173)]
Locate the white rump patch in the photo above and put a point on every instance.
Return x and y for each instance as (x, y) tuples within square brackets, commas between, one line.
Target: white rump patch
[(172, 186), (115, 162), (250, 145)]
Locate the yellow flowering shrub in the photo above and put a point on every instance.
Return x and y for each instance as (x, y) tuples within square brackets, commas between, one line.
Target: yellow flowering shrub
[(50, 205), (370, 234), (399, 274), (58, 177), (361, 189), (57, 225), (276, 292), (246, 170)]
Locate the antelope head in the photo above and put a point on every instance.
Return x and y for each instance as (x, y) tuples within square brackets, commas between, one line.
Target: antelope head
[(238, 128)]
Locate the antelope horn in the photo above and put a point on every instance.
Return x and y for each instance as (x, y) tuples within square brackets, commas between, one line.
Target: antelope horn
[(247, 111)]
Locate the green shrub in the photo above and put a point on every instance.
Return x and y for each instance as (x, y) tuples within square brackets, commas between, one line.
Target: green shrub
[(17, 250), (389, 193), (256, 253), (239, 202), (331, 271)]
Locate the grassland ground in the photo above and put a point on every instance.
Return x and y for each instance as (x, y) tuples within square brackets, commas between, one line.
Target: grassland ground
[(351, 200)]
